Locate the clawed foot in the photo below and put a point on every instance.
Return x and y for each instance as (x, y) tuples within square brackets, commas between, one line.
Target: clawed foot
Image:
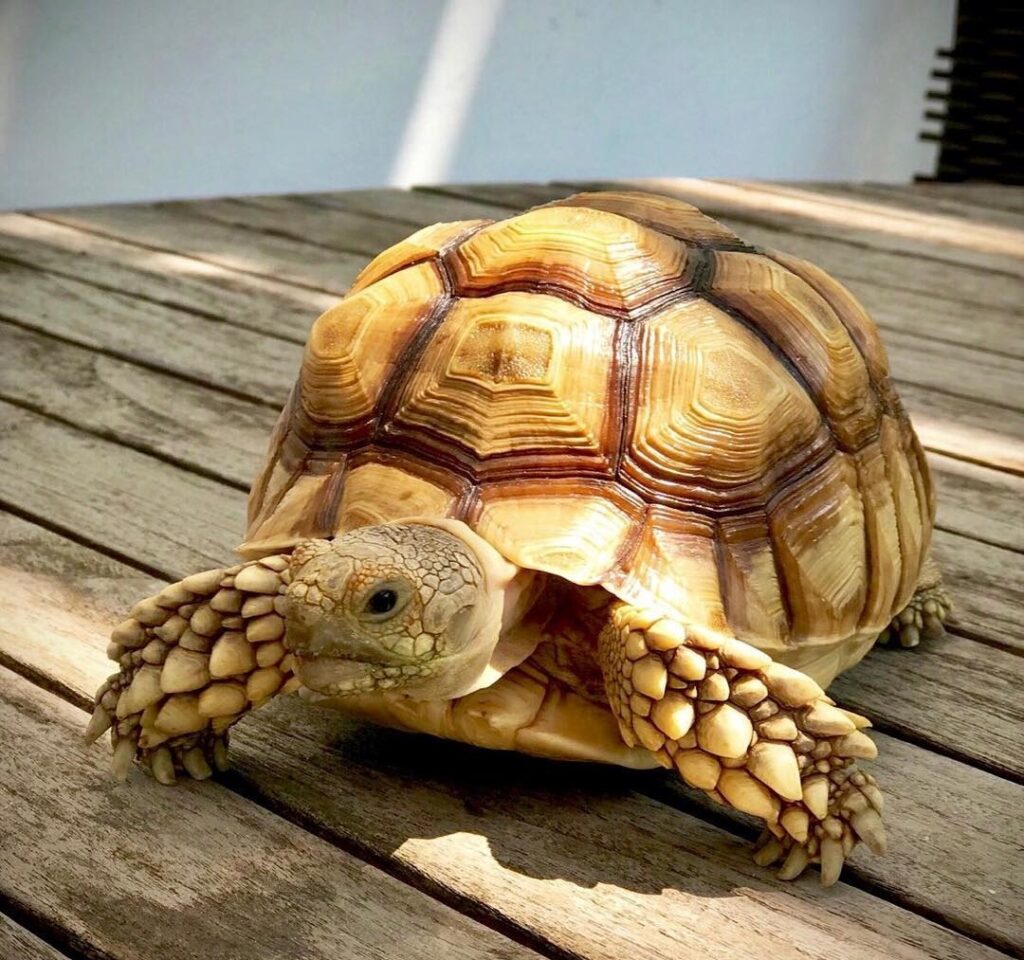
[(923, 616), (195, 755), (851, 813), (193, 660)]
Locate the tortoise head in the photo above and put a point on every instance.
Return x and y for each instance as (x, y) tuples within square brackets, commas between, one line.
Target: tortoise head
[(420, 607)]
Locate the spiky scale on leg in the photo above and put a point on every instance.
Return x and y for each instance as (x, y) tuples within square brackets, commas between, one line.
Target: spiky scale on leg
[(750, 732), (190, 669)]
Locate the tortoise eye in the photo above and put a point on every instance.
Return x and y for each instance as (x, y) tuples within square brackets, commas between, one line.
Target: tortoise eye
[(385, 599), (382, 601)]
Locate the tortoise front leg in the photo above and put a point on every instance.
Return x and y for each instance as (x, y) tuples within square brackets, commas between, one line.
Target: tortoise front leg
[(194, 659), (752, 733)]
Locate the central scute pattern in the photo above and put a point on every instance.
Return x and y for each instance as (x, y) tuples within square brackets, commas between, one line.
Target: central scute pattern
[(615, 389)]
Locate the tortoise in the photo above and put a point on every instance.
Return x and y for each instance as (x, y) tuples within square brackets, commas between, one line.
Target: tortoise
[(598, 482)]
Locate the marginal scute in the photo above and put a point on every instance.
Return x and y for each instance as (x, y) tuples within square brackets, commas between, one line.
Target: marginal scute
[(753, 595), (599, 259), (674, 564), (818, 529), (576, 532), (908, 515), (376, 492), (422, 245), (884, 561), (806, 329), (666, 214), (353, 347)]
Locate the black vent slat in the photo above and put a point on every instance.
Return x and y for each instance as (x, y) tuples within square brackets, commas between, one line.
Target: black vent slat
[(982, 112)]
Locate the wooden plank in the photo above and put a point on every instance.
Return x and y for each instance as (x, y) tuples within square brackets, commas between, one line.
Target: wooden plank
[(17, 942), (417, 208), (847, 260), (279, 309), (916, 197), (907, 235), (130, 504), (201, 429), (565, 852), (244, 362), (145, 872), (336, 229), (283, 258), (953, 870), (987, 586), (967, 429), (995, 195), (955, 695), (977, 502)]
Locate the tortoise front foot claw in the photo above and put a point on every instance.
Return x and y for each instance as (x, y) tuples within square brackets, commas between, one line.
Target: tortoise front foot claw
[(193, 660), (853, 814)]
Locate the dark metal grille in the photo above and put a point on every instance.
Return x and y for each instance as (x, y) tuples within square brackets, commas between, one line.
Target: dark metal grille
[(982, 114)]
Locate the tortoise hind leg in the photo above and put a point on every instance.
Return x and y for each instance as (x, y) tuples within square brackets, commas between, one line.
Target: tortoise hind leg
[(924, 615), (751, 733), (194, 659)]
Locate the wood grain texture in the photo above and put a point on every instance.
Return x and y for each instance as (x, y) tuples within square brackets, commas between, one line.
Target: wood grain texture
[(233, 359), (17, 942), (305, 264), (847, 259), (264, 304), (567, 853), (138, 407), (145, 872), (905, 234)]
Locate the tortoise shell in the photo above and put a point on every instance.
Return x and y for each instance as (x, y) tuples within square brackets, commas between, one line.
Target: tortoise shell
[(616, 389)]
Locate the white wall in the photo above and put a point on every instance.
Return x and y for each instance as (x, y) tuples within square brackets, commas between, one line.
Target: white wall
[(132, 99)]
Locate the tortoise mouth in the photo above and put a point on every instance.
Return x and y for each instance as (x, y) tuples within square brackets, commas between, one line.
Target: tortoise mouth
[(338, 677)]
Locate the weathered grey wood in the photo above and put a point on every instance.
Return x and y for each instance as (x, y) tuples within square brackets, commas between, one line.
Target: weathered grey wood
[(953, 694), (192, 425), (253, 364), (341, 230), (986, 583), (193, 872), (979, 502), (283, 258), (995, 195), (906, 235), (126, 502), (417, 208), (17, 942), (259, 303), (967, 429), (847, 260), (955, 870), (919, 198), (498, 829)]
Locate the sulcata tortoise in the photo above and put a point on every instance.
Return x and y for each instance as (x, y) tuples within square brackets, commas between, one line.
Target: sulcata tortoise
[(597, 482)]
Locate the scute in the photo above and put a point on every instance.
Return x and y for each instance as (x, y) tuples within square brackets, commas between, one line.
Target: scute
[(717, 418), (601, 260), (617, 390), (514, 381)]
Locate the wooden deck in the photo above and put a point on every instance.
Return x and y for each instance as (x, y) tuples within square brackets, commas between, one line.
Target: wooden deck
[(144, 353)]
